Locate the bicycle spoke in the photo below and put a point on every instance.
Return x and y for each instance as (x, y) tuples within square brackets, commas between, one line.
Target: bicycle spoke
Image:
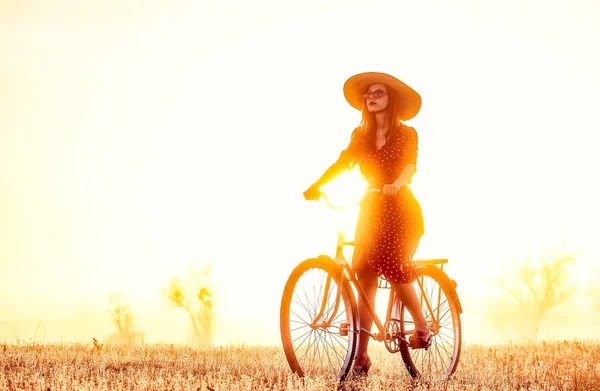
[(309, 345), (335, 337), (331, 345), (310, 309), (341, 313), (315, 303), (328, 357), (298, 321), (292, 312), (332, 291), (435, 362), (321, 349), (300, 344), (446, 335), (445, 338), (319, 298), (316, 280), (298, 328), (302, 289), (444, 347), (304, 308), (443, 360), (446, 312), (317, 351)]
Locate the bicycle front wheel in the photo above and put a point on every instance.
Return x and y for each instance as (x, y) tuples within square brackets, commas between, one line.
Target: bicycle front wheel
[(441, 308), (315, 345)]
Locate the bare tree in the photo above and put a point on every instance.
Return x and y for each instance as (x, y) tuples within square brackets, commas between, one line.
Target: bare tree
[(534, 287), (194, 293), (123, 318), (593, 290)]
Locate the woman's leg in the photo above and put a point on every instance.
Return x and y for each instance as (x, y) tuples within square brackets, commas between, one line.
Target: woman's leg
[(406, 291), (368, 283), (407, 294)]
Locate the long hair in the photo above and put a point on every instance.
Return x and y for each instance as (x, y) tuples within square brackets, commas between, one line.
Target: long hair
[(368, 125)]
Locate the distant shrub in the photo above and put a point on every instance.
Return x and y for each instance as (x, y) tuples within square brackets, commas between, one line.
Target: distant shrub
[(194, 293), (123, 319)]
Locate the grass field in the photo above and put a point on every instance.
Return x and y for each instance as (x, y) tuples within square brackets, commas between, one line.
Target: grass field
[(29, 366)]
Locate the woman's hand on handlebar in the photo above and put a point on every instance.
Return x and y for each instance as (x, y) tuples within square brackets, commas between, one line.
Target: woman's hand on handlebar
[(312, 193), (390, 190)]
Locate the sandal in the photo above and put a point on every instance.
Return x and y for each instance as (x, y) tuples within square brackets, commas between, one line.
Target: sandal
[(420, 339), (362, 370)]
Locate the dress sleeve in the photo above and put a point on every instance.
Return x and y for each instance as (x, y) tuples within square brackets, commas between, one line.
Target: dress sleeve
[(349, 156), (410, 147)]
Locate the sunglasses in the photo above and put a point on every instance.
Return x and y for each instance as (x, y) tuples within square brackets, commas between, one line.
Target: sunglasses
[(374, 95)]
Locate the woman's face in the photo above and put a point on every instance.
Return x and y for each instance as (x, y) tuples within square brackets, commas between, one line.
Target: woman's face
[(376, 98)]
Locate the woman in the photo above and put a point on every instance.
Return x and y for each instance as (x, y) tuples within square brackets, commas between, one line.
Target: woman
[(390, 223)]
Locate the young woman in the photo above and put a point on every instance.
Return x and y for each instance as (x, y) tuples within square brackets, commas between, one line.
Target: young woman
[(390, 222)]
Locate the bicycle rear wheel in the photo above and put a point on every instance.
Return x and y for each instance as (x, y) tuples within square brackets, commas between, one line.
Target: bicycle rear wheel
[(312, 348), (439, 361)]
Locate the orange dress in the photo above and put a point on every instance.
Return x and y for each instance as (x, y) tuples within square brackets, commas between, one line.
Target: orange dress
[(388, 228)]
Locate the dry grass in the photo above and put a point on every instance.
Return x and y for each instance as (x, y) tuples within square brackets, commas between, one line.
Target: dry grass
[(543, 366)]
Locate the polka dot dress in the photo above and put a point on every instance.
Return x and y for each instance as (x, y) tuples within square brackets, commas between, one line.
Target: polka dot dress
[(389, 227)]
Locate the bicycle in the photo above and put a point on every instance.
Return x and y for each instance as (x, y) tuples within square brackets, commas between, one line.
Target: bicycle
[(319, 321)]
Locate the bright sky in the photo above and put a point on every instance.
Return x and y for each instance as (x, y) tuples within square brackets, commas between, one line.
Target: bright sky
[(139, 137)]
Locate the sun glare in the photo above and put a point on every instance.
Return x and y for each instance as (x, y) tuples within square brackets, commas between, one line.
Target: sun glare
[(139, 141), (346, 191)]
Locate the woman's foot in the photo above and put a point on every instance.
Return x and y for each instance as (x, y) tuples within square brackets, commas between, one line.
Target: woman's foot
[(361, 366), (420, 338)]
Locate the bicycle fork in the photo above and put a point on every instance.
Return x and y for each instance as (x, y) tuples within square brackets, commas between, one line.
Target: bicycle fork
[(340, 261), (327, 323)]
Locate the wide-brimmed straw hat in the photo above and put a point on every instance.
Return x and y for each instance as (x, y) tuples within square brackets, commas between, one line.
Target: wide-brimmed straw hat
[(357, 85)]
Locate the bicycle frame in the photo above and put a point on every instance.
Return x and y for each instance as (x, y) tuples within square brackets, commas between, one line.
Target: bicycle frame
[(346, 272), (322, 338)]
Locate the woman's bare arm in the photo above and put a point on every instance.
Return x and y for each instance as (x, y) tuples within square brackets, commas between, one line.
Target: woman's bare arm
[(333, 171), (407, 173)]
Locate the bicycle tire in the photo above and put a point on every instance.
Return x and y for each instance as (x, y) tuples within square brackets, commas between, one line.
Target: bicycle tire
[(439, 361), (327, 351)]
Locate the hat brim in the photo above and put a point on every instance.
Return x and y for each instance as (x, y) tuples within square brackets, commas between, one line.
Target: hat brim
[(357, 85)]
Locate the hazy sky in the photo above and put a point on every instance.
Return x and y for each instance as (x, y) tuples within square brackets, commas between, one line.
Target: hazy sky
[(139, 137)]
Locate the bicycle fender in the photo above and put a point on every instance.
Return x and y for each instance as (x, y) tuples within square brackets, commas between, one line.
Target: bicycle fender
[(451, 284), (325, 258)]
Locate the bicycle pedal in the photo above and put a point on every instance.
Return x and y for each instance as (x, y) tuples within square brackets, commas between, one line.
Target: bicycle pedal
[(344, 329), (419, 346)]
